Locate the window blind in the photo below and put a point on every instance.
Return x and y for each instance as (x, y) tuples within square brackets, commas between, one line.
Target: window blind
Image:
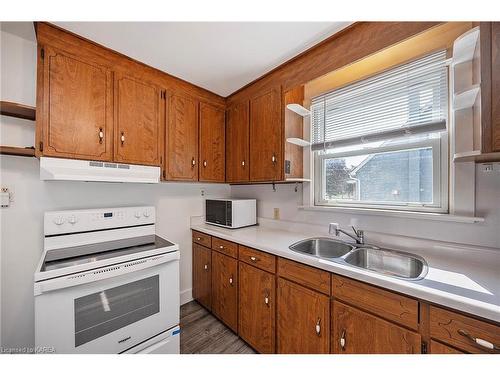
[(409, 99)]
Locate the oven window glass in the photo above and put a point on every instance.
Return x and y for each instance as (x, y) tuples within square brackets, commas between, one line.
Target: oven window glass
[(218, 212), (98, 314)]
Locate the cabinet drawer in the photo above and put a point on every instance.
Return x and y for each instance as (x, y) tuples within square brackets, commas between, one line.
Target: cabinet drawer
[(460, 331), (307, 276), (202, 239), (225, 247), (391, 306), (259, 259)]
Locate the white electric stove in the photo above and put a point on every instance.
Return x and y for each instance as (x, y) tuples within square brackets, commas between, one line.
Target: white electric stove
[(106, 283)]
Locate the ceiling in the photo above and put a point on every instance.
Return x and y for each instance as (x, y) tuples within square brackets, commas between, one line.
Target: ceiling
[(219, 56)]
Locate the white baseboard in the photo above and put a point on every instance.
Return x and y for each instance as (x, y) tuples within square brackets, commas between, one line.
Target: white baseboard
[(186, 296)]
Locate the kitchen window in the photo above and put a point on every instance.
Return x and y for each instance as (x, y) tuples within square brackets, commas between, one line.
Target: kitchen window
[(382, 142)]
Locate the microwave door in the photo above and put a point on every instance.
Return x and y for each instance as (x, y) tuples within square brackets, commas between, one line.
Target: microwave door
[(218, 212)]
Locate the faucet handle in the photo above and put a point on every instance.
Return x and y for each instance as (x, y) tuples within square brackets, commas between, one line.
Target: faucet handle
[(333, 228)]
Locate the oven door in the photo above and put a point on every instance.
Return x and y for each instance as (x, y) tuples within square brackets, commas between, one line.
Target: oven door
[(110, 315), (218, 212)]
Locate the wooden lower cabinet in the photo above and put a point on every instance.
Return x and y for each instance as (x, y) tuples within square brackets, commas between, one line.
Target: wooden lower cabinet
[(437, 348), (303, 320), (257, 308), (357, 332), (225, 289), (202, 275)]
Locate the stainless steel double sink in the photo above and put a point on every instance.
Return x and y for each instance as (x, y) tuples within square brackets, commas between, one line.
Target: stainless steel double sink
[(383, 261)]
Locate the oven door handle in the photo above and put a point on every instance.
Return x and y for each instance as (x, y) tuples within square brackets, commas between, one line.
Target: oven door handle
[(103, 273)]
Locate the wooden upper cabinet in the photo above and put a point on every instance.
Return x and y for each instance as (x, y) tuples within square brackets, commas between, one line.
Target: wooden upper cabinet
[(75, 107), (139, 109), (303, 320), (202, 275), (237, 142), (181, 156), (256, 322), (357, 332), (225, 289), (266, 137), (212, 143)]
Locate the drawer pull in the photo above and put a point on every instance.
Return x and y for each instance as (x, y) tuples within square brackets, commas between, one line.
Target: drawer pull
[(243, 163), (221, 247), (205, 266), (342, 340), (101, 135), (478, 341), (204, 163), (198, 238), (231, 280), (266, 300), (318, 327), (253, 259)]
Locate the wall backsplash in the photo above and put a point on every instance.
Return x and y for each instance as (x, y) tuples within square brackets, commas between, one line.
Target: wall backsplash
[(482, 234)]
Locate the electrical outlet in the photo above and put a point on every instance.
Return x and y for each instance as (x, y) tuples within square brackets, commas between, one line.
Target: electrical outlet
[(276, 213)]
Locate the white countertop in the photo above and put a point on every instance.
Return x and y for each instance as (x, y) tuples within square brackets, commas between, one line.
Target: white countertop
[(459, 277)]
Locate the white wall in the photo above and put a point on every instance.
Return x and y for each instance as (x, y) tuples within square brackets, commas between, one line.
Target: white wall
[(22, 223), (482, 234)]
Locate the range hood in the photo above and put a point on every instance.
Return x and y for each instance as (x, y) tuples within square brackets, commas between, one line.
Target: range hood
[(85, 170)]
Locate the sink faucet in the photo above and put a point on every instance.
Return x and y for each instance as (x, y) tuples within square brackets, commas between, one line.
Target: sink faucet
[(359, 235)]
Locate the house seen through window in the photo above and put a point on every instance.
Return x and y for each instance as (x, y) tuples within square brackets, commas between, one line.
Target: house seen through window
[(382, 142)]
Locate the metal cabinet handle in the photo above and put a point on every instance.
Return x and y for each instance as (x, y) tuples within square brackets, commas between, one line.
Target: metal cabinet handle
[(101, 135), (221, 247), (231, 280), (318, 327), (478, 341), (273, 159), (342, 340), (204, 163), (253, 259), (193, 162), (122, 138), (198, 238), (266, 300), (243, 163), (205, 266)]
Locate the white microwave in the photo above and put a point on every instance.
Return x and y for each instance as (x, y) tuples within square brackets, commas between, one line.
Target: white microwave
[(231, 213)]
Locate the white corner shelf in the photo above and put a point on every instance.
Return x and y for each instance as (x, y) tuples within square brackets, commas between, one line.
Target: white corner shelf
[(462, 157), (466, 98), (297, 179), (299, 142), (298, 109), (465, 46)]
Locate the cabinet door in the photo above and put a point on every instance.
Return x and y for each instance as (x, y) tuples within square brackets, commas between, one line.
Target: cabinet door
[(138, 130), (256, 323), (202, 275), (356, 332), (212, 143), (225, 289), (237, 142), (266, 137), (182, 138), (303, 320), (75, 107), (439, 348)]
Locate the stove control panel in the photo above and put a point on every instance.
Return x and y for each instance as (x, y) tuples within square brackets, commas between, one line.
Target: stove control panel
[(74, 221)]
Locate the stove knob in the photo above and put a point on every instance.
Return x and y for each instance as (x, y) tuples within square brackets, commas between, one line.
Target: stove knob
[(137, 214), (59, 220), (72, 220), (147, 214)]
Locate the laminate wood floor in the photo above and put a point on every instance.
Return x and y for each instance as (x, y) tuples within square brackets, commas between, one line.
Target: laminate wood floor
[(203, 333)]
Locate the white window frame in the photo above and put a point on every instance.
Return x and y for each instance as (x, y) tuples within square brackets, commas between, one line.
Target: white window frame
[(440, 173)]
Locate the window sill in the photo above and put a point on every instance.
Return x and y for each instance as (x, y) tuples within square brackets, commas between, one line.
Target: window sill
[(401, 214)]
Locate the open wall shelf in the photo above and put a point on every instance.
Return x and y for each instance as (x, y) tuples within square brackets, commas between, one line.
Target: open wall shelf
[(465, 47), (17, 110), (298, 109), (466, 98), (477, 157), (17, 151)]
